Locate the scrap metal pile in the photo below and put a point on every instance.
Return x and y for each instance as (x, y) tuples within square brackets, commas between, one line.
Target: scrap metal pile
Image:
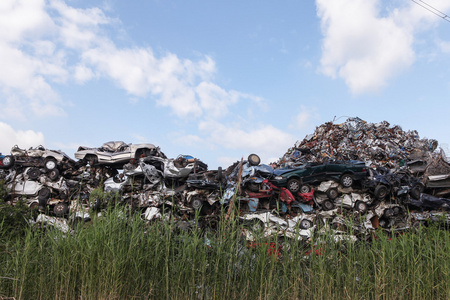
[(350, 177)]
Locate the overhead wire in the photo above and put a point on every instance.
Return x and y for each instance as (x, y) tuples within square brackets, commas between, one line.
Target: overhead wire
[(432, 9)]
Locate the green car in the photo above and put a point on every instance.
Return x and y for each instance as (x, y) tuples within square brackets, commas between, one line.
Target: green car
[(297, 179)]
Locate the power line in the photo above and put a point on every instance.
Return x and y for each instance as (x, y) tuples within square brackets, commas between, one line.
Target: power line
[(432, 9)]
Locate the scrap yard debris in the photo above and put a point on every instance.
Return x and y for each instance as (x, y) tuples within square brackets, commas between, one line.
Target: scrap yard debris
[(350, 177)]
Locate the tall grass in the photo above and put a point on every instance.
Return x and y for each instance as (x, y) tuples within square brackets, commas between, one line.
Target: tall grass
[(117, 257)]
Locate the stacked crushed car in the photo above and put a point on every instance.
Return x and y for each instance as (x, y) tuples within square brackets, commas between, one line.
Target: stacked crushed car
[(350, 177)]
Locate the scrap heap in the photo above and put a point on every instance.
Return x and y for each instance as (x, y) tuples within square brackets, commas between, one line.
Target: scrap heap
[(377, 144), (387, 178)]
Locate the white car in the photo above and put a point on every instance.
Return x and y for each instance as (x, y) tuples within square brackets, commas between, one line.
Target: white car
[(40, 157), (116, 153)]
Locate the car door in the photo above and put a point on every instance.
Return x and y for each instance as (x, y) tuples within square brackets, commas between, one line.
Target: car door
[(317, 172), (121, 156)]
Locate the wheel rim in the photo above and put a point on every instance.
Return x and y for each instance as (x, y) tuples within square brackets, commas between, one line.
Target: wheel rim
[(60, 209), (347, 181), (6, 161), (304, 189), (196, 204), (361, 207), (50, 165), (53, 175), (293, 186), (306, 224), (332, 194), (328, 205), (382, 192)]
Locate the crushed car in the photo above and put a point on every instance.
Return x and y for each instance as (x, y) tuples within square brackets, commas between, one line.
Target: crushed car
[(297, 179), (40, 157), (116, 153)]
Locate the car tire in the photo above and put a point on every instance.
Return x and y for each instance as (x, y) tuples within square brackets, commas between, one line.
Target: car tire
[(388, 213), (381, 192), (347, 180), (361, 207), (305, 188), (327, 205), (50, 163), (60, 209), (397, 210), (7, 161), (293, 185), (44, 193), (33, 173), (196, 203), (305, 224), (254, 159), (53, 175), (332, 193)]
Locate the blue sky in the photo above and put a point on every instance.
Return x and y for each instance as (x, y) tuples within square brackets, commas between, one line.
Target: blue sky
[(218, 79)]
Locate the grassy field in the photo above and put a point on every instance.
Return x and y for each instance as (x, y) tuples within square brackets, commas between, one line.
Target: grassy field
[(114, 257)]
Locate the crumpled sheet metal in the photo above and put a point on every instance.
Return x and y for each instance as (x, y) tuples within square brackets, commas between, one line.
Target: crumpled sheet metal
[(59, 223), (277, 226), (143, 183), (379, 144)]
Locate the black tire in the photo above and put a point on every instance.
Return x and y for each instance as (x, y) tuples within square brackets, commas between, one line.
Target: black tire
[(7, 161), (381, 192), (397, 210), (346, 180), (305, 188), (332, 193), (33, 173), (388, 213), (306, 224), (293, 185), (50, 163), (60, 209), (196, 203), (53, 175), (415, 192), (254, 159), (44, 193), (92, 160), (327, 205), (361, 207)]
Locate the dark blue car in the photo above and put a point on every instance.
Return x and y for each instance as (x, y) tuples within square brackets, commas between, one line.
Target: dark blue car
[(297, 179)]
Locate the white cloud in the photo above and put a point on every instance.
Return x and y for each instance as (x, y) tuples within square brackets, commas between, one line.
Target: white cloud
[(29, 62), (43, 43), (79, 28), (24, 139), (366, 46), (265, 140)]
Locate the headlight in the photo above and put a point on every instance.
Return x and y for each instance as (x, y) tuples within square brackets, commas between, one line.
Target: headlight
[(278, 177)]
